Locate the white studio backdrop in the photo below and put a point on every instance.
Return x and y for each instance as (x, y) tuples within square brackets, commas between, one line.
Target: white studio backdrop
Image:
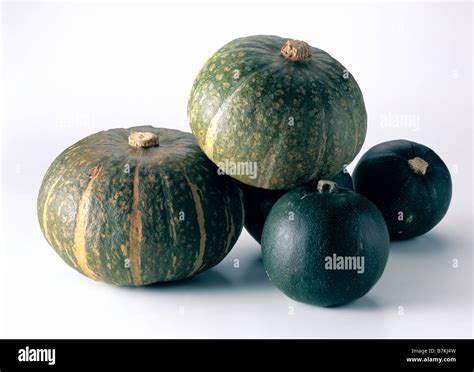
[(71, 69)]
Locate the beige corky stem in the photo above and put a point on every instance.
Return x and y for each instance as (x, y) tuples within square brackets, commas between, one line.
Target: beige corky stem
[(418, 165), (143, 139), (326, 187), (296, 50)]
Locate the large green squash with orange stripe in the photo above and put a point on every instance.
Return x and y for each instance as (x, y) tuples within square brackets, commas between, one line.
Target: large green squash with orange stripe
[(138, 206), (289, 110)]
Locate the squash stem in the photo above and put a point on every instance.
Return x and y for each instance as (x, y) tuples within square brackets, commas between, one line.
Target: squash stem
[(143, 139), (418, 165), (326, 186), (296, 50)]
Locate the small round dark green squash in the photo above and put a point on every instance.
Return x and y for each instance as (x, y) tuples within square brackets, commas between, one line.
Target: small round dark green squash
[(290, 109), (409, 184), (259, 202), (138, 206), (324, 245)]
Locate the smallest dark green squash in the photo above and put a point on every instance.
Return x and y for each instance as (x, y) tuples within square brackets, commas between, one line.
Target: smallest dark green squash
[(324, 245), (408, 182)]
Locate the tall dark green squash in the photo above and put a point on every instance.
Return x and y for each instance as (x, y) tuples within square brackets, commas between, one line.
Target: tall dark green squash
[(289, 108), (310, 230), (137, 206)]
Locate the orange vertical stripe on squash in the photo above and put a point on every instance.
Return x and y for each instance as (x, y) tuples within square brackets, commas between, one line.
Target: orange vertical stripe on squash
[(80, 249), (135, 232)]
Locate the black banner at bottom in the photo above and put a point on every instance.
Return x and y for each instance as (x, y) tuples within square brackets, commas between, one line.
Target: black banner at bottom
[(292, 355)]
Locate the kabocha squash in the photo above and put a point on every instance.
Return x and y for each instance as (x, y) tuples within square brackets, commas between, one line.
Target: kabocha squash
[(259, 202), (137, 206), (408, 182), (287, 108), (324, 245)]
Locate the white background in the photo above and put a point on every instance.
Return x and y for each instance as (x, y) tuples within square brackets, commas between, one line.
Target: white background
[(70, 70)]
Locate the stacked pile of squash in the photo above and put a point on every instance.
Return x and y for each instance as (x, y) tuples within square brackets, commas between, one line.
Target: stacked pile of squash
[(274, 124)]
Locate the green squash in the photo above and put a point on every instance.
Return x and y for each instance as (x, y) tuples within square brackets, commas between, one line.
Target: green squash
[(259, 202), (324, 245), (137, 206), (289, 110), (409, 184)]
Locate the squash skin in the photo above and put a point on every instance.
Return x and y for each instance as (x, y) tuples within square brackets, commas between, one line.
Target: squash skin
[(258, 203), (342, 223), (384, 176), (344, 180), (103, 202), (242, 101)]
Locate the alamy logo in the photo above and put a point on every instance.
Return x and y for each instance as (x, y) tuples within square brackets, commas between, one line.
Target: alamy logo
[(37, 355), (400, 121), (336, 262), (239, 168)]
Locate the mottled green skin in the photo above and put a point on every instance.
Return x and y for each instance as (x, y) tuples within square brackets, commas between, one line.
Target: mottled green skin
[(244, 97), (342, 223), (167, 247), (258, 203), (384, 176)]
